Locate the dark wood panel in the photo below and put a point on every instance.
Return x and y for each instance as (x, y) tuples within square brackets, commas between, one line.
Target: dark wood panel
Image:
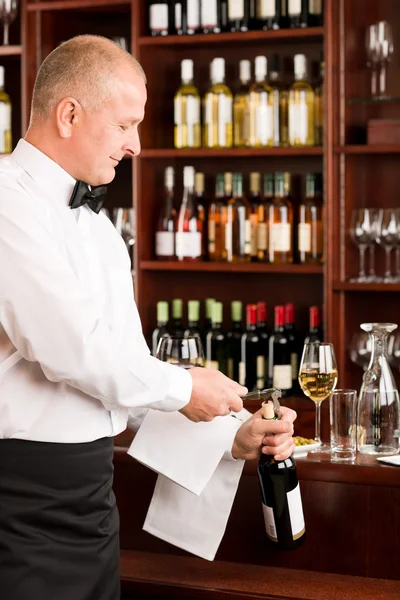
[(155, 265), (229, 152)]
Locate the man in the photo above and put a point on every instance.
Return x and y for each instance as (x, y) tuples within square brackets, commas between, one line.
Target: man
[(73, 361)]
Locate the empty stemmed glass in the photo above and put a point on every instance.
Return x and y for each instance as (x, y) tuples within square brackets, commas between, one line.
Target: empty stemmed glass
[(384, 52), (360, 349), (124, 222), (183, 352), (363, 234), (397, 249), (387, 233), (371, 44), (8, 12)]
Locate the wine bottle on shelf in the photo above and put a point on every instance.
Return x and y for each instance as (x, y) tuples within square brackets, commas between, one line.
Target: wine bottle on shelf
[(165, 234), (161, 331), (193, 329), (261, 107), (193, 16), (5, 118), (189, 232), (279, 363), (314, 333), (238, 227), (202, 210), (241, 107), (298, 13), (301, 106), (316, 13), (319, 105), (187, 110), (254, 19), (177, 314), (263, 333), (280, 104), (263, 216), (280, 222), (252, 364), (215, 230), (223, 15), (216, 348), (281, 498), (218, 109), (296, 345), (180, 15), (272, 14), (310, 236), (238, 15), (208, 304), (233, 339), (255, 213), (228, 186), (161, 18), (210, 16)]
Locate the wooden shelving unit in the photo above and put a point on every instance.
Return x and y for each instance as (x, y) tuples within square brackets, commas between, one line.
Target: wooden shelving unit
[(229, 152), (216, 267), (365, 149), (14, 50)]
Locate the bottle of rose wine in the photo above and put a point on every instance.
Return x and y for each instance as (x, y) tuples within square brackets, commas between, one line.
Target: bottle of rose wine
[(189, 228), (281, 498), (165, 233)]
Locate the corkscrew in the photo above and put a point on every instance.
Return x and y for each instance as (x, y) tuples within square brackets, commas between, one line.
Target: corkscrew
[(264, 395)]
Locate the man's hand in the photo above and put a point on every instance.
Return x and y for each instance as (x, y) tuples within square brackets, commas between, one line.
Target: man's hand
[(213, 395), (259, 435)]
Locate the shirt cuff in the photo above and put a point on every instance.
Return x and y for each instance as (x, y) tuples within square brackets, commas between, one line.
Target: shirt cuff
[(179, 390)]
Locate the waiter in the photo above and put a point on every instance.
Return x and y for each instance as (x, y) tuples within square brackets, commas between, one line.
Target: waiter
[(74, 365)]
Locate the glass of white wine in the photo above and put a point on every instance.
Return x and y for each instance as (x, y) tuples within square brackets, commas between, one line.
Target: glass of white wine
[(183, 352), (318, 377)]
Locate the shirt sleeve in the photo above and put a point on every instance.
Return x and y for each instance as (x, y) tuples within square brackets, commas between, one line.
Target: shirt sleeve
[(48, 315)]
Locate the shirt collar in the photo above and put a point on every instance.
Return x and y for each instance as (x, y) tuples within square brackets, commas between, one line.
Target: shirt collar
[(44, 171)]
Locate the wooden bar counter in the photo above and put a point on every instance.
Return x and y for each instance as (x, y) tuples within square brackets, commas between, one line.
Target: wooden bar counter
[(351, 552)]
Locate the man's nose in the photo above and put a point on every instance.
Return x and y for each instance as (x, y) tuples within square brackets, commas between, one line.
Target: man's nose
[(132, 146)]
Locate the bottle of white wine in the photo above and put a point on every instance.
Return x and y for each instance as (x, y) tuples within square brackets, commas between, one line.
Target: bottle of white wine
[(241, 107), (161, 331), (218, 109), (280, 222), (261, 107), (310, 226), (301, 106), (5, 118), (281, 498), (187, 110)]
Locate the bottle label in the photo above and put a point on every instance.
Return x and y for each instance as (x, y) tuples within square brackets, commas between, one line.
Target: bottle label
[(209, 16), (188, 244), (211, 236), (315, 7), (159, 17), (236, 9), (5, 124), (304, 235), (242, 373), (282, 377), (298, 120), (295, 366), (296, 512), (192, 117), (228, 238), (164, 243), (193, 10), (266, 9), (178, 15), (230, 368), (247, 237), (224, 118), (254, 234), (260, 372), (262, 236), (178, 111), (294, 8), (269, 521), (264, 122), (211, 364), (281, 237)]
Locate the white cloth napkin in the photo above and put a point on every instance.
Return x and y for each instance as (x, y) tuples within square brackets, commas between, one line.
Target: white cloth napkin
[(391, 460)]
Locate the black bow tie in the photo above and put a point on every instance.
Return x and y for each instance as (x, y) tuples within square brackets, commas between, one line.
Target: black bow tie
[(83, 195)]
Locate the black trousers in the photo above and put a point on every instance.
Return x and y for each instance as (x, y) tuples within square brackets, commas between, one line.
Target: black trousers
[(59, 524)]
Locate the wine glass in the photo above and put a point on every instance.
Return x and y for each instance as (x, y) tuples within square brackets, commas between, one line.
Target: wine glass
[(360, 349), (371, 44), (183, 352), (124, 222), (384, 52), (363, 234), (397, 250), (8, 12), (387, 237), (318, 378)]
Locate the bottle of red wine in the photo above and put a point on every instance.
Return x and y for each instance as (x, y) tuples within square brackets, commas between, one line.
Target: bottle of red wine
[(254, 9), (177, 313), (238, 15), (281, 498), (233, 338), (314, 333), (295, 344), (223, 14), (298, 13), (252, 364), (161, 331), (263, 332), (161, 18), (216, 350), (316, 11), (165, 234), (193, 329), (279, 363)]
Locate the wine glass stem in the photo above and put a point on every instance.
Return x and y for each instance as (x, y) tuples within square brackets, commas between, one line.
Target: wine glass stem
[(388, 272), (318, 421), (362, 262), (373, 81), (5, 39), (382, 80), (372, 261)]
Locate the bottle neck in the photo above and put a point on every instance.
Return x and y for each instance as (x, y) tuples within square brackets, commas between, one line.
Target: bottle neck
[(274, 76), (161, 324), (187, 81), (193, 324), (300, 76), (216, 326)]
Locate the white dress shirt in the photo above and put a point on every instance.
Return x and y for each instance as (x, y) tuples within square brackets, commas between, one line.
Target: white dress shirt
[(73, 359)]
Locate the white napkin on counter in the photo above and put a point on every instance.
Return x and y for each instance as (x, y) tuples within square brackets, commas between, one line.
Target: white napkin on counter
[(391, 460)]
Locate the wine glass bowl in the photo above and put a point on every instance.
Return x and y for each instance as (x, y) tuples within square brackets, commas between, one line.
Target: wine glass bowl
[(384, 52), (8, 13), (387, 236), (185, 352), (360, 349), (363, 232), (371, 46)]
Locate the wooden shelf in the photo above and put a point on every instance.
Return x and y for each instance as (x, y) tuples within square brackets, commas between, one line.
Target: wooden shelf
[(74, 4), (233, 38), (347, 286), (10, 50), (365, 149), (220, 267), (228, 152)]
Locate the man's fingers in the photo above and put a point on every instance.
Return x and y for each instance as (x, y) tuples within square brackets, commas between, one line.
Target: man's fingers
[(268, 427), (288, 414), (236, 404), (276, 440), (280, 452)]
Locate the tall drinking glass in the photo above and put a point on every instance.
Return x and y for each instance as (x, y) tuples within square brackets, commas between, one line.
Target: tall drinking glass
[(318, 377)]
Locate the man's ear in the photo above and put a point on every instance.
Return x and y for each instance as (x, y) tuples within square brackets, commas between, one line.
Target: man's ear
[(68, 114)]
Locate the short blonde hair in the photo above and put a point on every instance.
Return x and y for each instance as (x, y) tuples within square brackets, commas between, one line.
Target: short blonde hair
[(83, 68)]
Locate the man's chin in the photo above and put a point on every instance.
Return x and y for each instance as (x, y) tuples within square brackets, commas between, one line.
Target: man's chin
[(105, 178)]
